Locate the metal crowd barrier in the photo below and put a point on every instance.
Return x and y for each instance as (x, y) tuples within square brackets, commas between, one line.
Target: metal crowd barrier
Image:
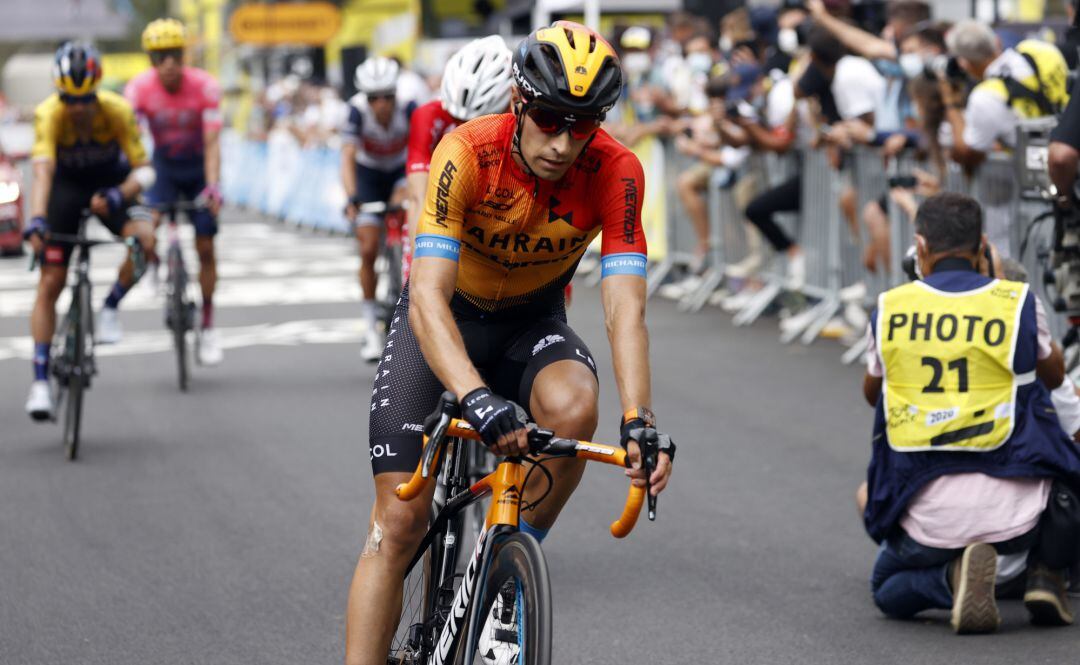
[(834, 255), (301, 186)]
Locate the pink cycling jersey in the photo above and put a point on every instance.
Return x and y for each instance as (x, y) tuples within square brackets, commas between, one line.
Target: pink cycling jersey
[(177, 120)]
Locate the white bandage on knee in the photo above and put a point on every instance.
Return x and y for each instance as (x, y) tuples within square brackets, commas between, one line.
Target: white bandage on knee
[(374, 539), (145, 176)]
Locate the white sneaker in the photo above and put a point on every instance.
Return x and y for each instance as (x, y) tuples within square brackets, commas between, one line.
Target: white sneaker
[(748, 267), (855, 293), (371, 346), (797, 322), (109, 330), (796, 272), (498, 643), (210, 352), (738, 301), (39, 403)]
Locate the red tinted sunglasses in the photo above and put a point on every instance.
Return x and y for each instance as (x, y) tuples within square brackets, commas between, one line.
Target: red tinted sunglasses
[(553, 122)]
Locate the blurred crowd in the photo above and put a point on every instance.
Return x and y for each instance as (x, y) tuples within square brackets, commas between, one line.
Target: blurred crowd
[(781, 80), (808, 75)]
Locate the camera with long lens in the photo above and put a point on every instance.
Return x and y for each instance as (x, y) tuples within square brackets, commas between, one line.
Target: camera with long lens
[(944, 67), (1032, 158)]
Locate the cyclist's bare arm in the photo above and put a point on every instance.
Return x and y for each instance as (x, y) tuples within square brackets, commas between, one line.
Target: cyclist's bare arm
[(348, 169), (212, 159), (417, 186), (624, 317), (431, 286), (44, 170)]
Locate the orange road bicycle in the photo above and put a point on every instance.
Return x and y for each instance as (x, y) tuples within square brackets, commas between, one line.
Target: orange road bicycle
[(495, 606)]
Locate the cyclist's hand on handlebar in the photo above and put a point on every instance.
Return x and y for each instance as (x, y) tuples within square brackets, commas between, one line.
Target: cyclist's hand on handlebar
[(499, 422), (35, 233), (211, 194), (352, 208), (638, 432)]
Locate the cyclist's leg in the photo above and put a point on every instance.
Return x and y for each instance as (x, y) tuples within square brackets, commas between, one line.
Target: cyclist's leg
[(404, 393), (556, 381), (66, 201), (206, 228), (372, 186), (142, 229)]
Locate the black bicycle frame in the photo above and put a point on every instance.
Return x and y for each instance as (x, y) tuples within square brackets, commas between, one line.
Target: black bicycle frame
[(461, 497)]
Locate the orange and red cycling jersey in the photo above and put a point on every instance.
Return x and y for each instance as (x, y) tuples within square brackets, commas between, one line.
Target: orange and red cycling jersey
[(517, 238)]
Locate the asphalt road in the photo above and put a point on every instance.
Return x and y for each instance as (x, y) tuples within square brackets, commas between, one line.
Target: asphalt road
[(222, 526)]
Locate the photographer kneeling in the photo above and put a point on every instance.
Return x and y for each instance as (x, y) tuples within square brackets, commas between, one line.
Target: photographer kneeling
[(970, 474)]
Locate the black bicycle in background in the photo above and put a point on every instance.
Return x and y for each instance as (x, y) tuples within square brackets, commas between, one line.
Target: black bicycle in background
[(179, 306), (72, 359)]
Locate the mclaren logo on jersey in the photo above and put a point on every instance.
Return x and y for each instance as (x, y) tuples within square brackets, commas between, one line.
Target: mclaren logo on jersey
[(519, 243), (442, 194)]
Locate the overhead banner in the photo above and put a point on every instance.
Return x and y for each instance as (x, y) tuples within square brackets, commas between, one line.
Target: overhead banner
[(307, 23)]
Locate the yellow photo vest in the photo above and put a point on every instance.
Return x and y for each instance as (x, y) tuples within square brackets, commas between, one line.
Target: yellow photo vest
[(1052, 73), (949, 382)]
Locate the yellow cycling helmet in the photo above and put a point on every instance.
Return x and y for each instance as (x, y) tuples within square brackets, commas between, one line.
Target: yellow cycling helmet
[(164, 34), (76, 69), (568, 67)]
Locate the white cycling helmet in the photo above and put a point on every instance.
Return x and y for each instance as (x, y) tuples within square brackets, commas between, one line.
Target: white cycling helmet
[(477, 79), (377, 74)]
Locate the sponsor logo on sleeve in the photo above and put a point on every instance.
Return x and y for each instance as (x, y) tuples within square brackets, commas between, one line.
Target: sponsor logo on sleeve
[(442, 194), (630, 210), (628, 263)]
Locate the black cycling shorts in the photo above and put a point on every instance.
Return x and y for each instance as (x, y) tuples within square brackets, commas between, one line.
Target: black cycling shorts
[(509, 354), (67, 199)]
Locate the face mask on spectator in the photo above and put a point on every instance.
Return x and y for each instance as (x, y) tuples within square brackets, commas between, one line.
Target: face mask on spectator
[(726, 44), (787, 40), (636, 62), (912, 64), (700, 63)]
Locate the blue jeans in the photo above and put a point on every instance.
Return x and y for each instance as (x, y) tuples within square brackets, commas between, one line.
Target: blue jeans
[(909, 577)]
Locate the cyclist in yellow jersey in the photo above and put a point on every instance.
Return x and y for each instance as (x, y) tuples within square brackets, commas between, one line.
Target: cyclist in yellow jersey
[(512, 202), (87, 154)]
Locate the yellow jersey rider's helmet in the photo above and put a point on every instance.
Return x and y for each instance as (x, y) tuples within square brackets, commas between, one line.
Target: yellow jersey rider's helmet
[(568, 67), (77, 70), (164, 34)]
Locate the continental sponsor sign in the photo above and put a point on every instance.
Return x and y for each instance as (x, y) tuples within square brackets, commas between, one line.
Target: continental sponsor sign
[(312, 23)]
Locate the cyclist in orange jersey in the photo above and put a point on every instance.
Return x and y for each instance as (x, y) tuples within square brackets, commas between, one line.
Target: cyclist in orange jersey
[(512, 202)]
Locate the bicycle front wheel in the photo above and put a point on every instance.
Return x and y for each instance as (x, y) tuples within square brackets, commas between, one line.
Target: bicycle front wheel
[(79, 370), (515, 610)]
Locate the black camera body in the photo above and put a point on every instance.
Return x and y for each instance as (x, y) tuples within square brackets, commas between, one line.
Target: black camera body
[(1031, 155)]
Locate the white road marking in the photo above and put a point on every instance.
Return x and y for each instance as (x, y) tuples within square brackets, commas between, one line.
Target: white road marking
[(290, 333)]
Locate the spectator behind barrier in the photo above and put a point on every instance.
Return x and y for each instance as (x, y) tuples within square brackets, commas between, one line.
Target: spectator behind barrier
[(703, 143), (1023, 82), (636, 116), (965, 451)]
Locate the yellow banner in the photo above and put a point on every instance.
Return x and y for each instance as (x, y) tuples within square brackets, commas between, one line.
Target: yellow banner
[(314, 23)]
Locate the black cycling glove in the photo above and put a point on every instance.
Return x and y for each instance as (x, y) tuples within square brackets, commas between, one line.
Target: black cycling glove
[(115, 199), (492, 416), (639, 425)]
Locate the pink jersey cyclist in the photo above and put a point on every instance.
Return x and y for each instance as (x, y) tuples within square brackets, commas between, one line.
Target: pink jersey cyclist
[(177, 120)]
